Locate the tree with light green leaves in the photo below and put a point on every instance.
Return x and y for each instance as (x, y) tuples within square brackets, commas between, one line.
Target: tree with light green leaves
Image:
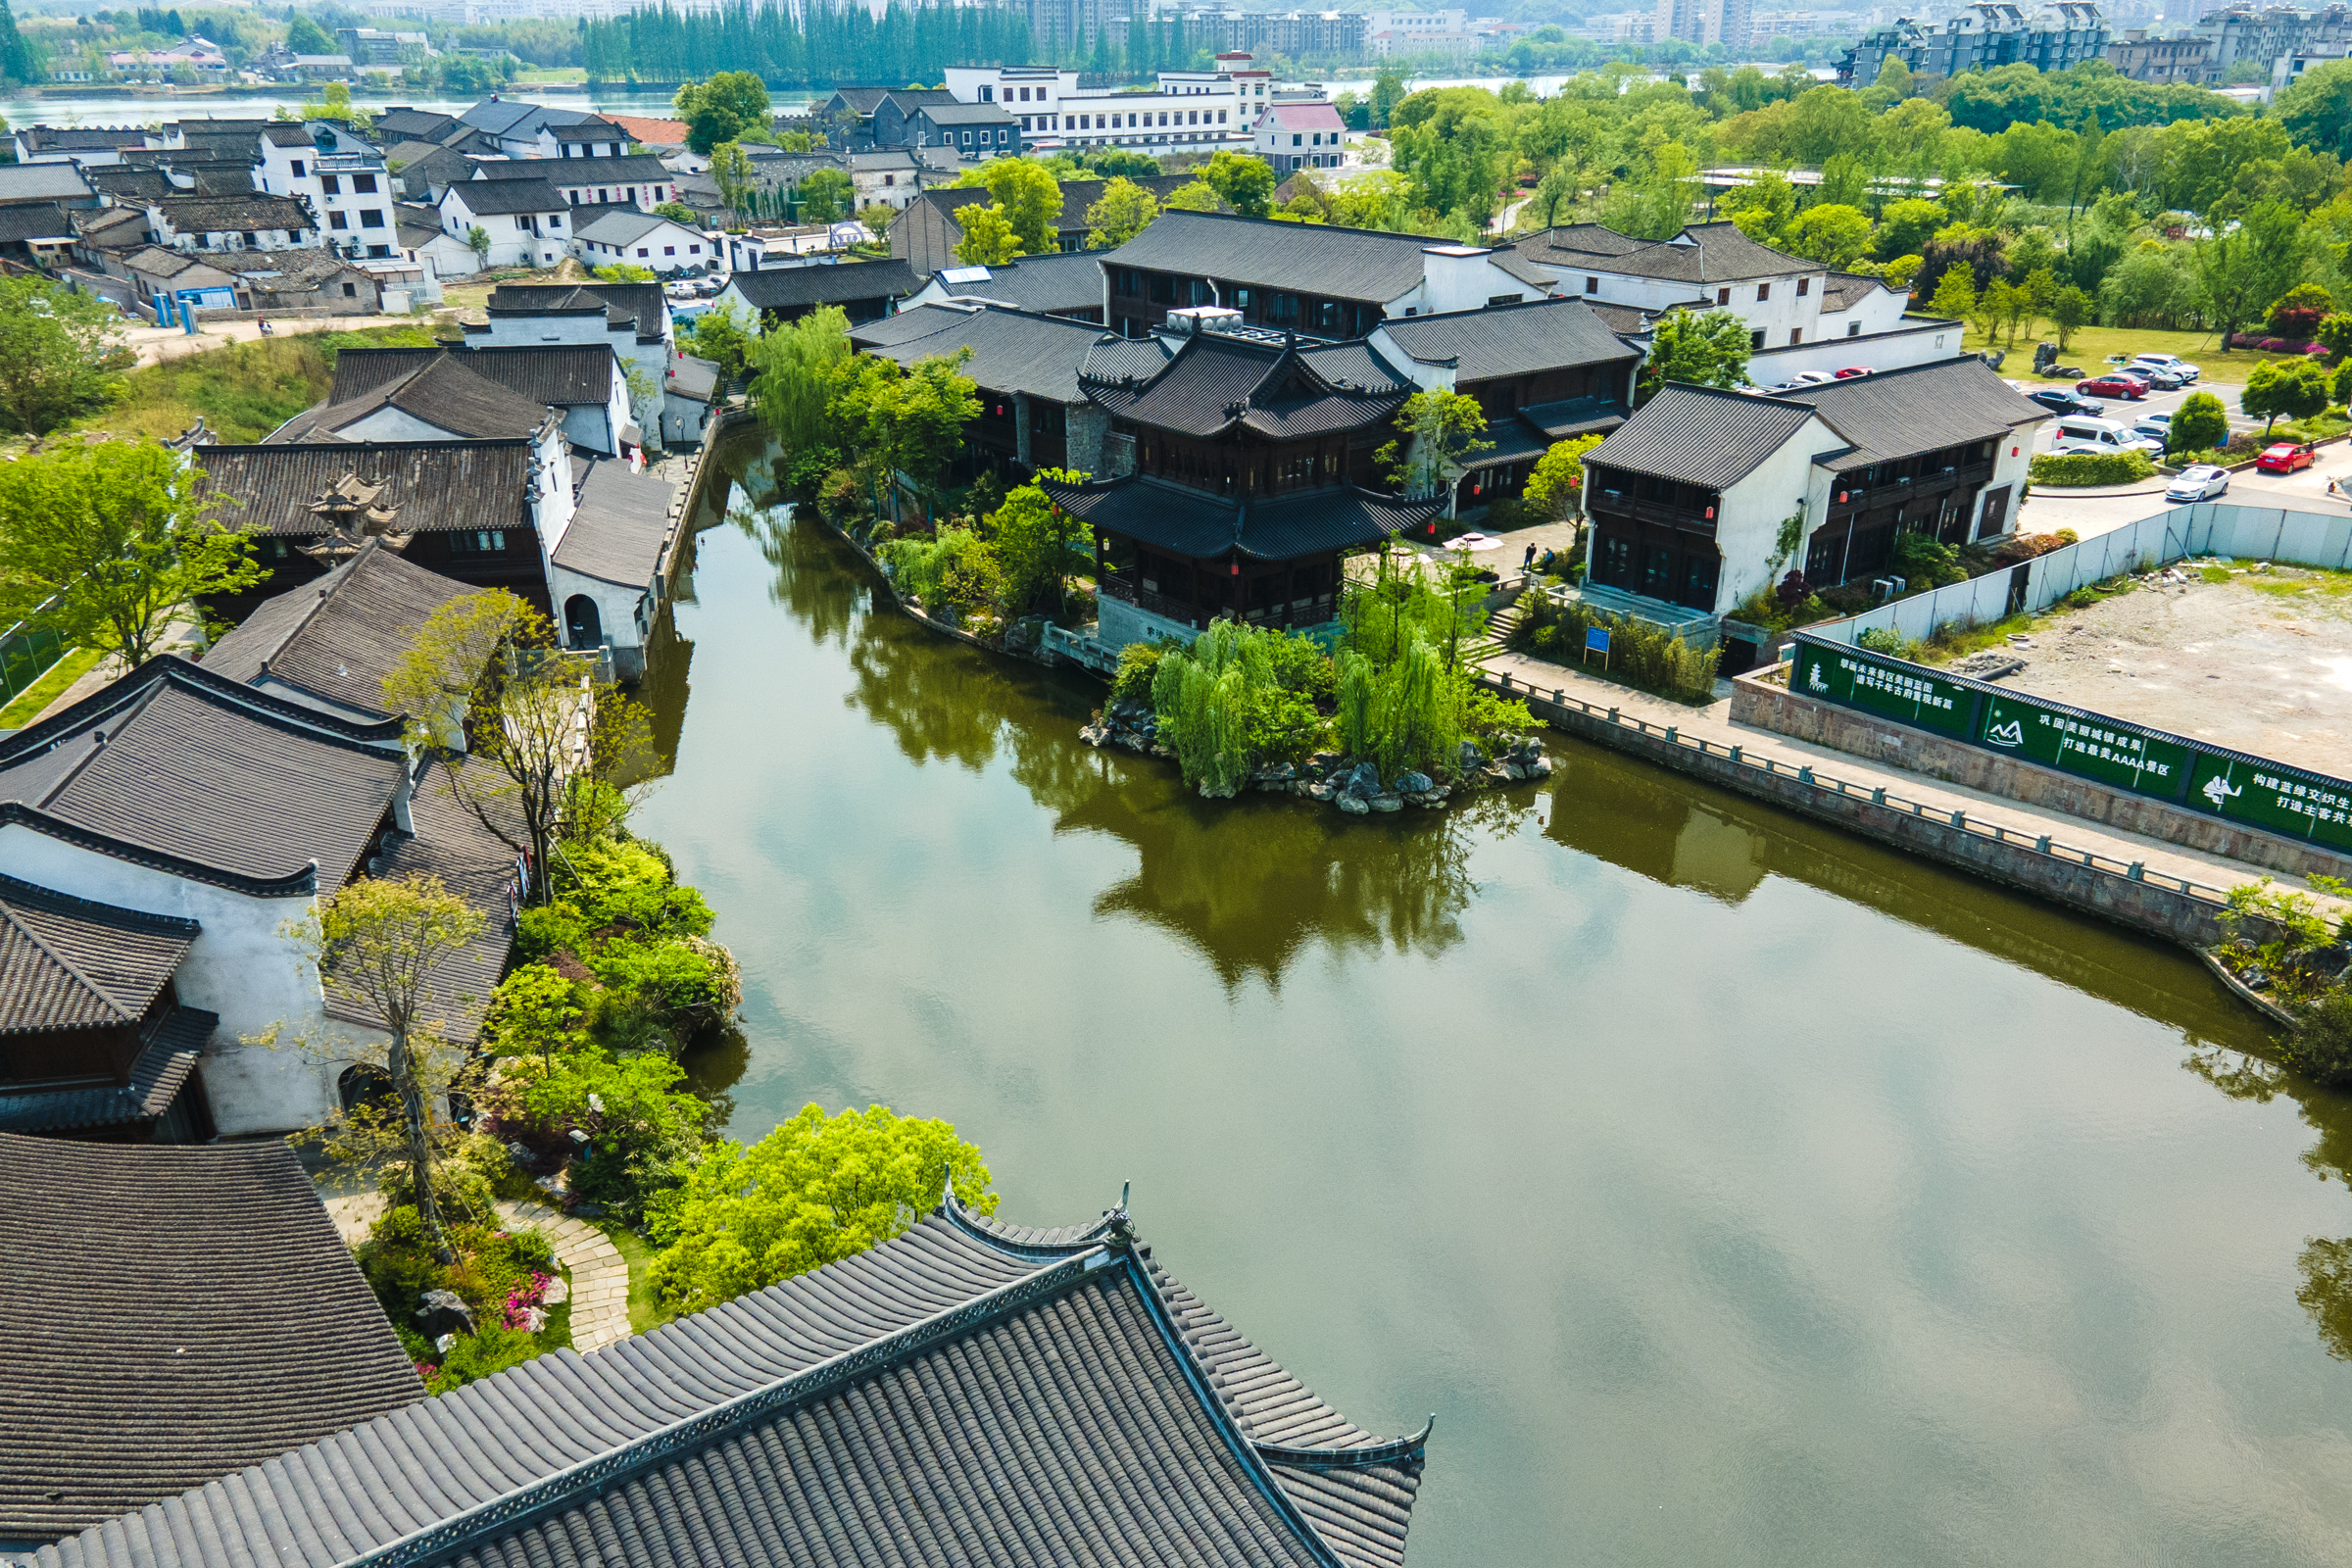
[(1831, 234), (1027, 195), (1557, 484), (826, 196), (1707, 349), (814, 1191), (107, 544), (1123, 211), (731, 172), (907, 420), (1956, 294), (796, 365), (1441, 431), (2295, 389), (1196, 197), (1245, 181), (1035, 543), (987, 238), (62, 353), (721, 109), (387, 943)]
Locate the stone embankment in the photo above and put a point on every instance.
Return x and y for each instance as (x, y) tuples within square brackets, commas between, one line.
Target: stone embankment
[(1355, 787)]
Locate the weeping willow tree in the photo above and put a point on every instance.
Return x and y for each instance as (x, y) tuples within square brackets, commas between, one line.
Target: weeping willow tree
[(1408, 715), (1204, 698)]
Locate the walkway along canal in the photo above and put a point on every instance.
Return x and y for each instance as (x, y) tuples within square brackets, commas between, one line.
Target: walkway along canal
[(1733, 1189)]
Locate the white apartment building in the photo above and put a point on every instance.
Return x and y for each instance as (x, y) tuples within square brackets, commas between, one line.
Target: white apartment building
[(341, 178), (1194, 110), (1420, 32)]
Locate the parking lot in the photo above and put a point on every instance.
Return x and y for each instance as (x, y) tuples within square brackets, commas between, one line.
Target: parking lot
[(2097, 512)]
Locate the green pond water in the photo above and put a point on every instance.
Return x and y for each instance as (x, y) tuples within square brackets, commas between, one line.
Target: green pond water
[(1733, 1191)]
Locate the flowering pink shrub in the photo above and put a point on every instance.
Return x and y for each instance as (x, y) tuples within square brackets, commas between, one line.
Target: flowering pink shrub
[(2273, 345), (524, 1306)]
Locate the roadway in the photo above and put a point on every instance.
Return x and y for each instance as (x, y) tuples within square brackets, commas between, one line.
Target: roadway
[(2097, 512)]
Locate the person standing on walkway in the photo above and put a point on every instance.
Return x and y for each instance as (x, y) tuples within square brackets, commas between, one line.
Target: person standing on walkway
[(1527, 561)]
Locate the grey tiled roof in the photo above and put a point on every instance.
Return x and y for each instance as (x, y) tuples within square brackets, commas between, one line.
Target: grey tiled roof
[(156, 1079), (256, 213), (1012, 351), (35, 221), (193, 1312), (1064, 282), (176, 766), (779, 288), (630, 168), (962, 1394), (70, 963), (557, 374), (1512, 340), (1703, 253), (1351, 263), (445, 392), (434, 486), (620, 526), (340, 636), (1922, 408), (454, 843), (1185, 521), (640, 303), (1701, 436), (126, 184), (1217, 383), (1573, 417), (488, 197), (25, 182)]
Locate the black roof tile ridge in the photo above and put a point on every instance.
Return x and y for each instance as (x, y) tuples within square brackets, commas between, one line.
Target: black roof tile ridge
[(520, 1506), (303, 881), (14, 890), (951, 1207), (333, 583), (8, 916), (137, 704), (454, 443), (294, 719), (1246, 1450)]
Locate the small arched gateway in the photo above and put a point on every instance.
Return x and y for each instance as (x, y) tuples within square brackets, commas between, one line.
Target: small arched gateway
[(583, 627)]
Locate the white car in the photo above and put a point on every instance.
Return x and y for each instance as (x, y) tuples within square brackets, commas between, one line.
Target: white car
[(2199, 481), (2155, 426), (1812, 378), (2172, 365)]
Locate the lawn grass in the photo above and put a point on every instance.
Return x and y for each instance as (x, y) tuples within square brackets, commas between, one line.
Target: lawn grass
[(646, 1309), (242, 390), (41, 693), (2089, 347)]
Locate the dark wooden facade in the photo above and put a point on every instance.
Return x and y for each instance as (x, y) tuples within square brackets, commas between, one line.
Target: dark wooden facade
[(1655, 536), (1934, 493)]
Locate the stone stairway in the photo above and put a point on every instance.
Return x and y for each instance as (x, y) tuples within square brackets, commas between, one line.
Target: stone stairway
[(1500, 627)]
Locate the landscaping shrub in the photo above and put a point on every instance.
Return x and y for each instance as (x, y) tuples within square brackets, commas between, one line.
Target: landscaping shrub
[(1640, 654), (501, 1275), (637, 1125), (2089, 467), (1138, 663)]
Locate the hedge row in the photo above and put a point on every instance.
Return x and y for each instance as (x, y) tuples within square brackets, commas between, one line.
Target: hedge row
[(2062, 468)]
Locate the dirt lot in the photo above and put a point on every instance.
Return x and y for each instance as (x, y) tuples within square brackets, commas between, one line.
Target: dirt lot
[(2261, 662)]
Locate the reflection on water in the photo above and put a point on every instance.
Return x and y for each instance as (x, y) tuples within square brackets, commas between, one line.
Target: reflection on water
[(1736, 1190)]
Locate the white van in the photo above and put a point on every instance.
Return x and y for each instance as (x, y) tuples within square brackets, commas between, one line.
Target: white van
[(2077, 434)]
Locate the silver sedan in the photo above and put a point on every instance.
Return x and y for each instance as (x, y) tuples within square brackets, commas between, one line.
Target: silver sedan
[(2199, 481)]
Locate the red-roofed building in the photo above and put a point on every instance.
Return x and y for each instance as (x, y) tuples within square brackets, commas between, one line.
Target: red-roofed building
[(651, 133), (1293, 136)]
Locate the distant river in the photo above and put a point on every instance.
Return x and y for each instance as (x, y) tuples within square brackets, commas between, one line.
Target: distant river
[(1735, 1192)]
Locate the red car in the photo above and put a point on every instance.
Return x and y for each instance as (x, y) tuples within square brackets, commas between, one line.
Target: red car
[(2285, 458), (2113, 386), (1852, 370)]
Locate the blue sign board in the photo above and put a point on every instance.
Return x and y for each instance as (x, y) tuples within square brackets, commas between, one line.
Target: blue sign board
[(1596, 639)]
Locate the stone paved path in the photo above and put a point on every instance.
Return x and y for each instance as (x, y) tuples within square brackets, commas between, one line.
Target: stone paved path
[(1714, 722), (599, 1275)]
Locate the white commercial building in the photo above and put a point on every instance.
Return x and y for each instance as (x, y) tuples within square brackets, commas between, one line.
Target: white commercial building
[(1197, 110)]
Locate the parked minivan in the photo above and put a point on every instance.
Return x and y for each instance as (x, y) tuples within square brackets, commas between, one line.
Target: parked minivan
[(2078, 434)]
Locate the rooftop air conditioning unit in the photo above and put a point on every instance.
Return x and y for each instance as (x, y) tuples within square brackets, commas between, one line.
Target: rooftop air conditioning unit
[(1194, 319)]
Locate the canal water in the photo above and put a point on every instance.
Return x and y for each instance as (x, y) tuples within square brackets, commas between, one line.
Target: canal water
[(1732, 1190)]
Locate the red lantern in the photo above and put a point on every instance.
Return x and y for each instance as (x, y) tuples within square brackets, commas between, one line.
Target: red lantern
[(1710, 512)]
